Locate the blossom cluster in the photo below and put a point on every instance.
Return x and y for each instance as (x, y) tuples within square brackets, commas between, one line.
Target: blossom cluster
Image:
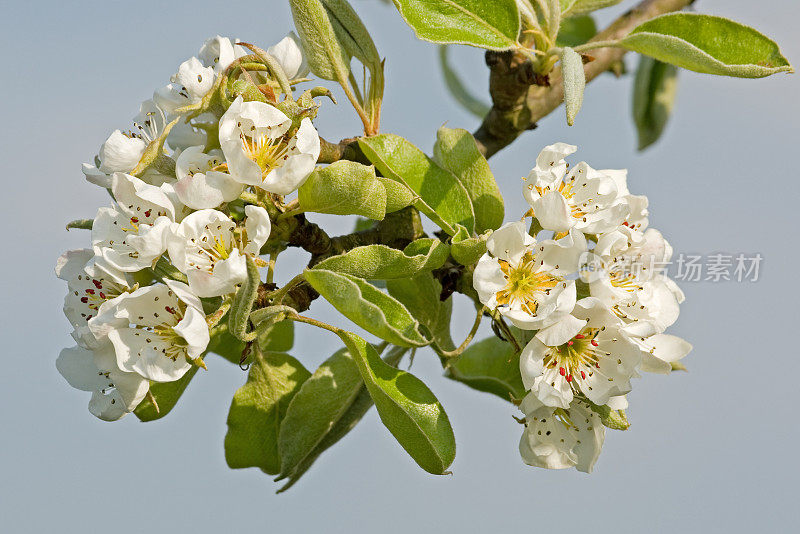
[(176, 179), (591, 322)]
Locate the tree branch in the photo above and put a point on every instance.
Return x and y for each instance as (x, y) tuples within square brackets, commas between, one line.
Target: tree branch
[(520, 98)]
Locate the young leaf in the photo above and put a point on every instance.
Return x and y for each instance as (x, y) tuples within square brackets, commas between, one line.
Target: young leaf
[(258, 408), (575, 31), (707, 44), (166, 395), (361, 403), (379, 262), (489, 365), (442, 194), (457, 88), (239, 314), (457, 151), (279, 337), (326, 56), (613, 419), (406, 407), (571, 8), (492, 25), (653, 97), (368, 307), (398, 196), (344, 188), (317, 407), (420, 295), (574, 82), (465, 249)]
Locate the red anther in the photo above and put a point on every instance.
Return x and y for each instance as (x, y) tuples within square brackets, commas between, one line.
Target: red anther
[(147, 213), (569, 378), (134, 220), (597, 365), (583, 375), (102, 295), (625, 223), (97, 284), (90, 291), (595, 343), (579, 336), (570, 343), (562, 371), (85, 299)]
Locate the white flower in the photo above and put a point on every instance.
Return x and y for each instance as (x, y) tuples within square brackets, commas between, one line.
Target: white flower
[(219, 52), (627, 273), (660, 350), (560, 438), (260, 151), (583, 198), (206, 248), (199, 185), (122, 152), (585, 353), (290, 55), (637, 204), (130, 236), (524, 279), (89, 286), (114, 392), (189, 86), (156, 331)]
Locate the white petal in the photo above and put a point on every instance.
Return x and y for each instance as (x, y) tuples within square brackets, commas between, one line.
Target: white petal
[(510, 242), (72, 263), (120, 153), (553, 212), (258, 227), (289, 54)]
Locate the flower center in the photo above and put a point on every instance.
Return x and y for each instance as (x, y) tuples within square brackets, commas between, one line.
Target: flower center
[(268, 153), (578, 358), (524, 285)]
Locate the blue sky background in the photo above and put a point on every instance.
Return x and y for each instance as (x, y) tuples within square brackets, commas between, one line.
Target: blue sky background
[(712, 450)]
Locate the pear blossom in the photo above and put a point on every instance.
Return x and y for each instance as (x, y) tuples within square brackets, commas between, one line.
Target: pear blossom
[(260, 150), (189, 85), (156, 331), (583, 198), (114, 392), (208, 249), (121, 152), (290, 55), (560, 438), (627, 273), (130, 236), (586, 353), (524, 279), (638, 213), (659, 351), (199, 185), (89, 286), (219, 52)]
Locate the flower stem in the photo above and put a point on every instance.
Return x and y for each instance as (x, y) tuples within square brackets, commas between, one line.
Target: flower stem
[(461, 348)]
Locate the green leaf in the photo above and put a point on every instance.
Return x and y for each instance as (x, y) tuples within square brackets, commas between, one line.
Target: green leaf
[(575, 31), (224, 344), (279, 337), (653, 97), (166, 395), (258, 408), (239, 314), (491, 366), (344, 188), (571, 8), (326, 56), (442, 194), (317, 407), (492, 25), (465, 249), (368, 307), (574, 82), (379, 262), (361, 403), (420, 295), (457, 88), (707, 44), (457, 151), (398, 196), (406, 407)]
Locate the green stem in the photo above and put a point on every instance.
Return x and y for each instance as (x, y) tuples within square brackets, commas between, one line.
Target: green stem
[(596, 44), (461, 348), (277, 296)]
